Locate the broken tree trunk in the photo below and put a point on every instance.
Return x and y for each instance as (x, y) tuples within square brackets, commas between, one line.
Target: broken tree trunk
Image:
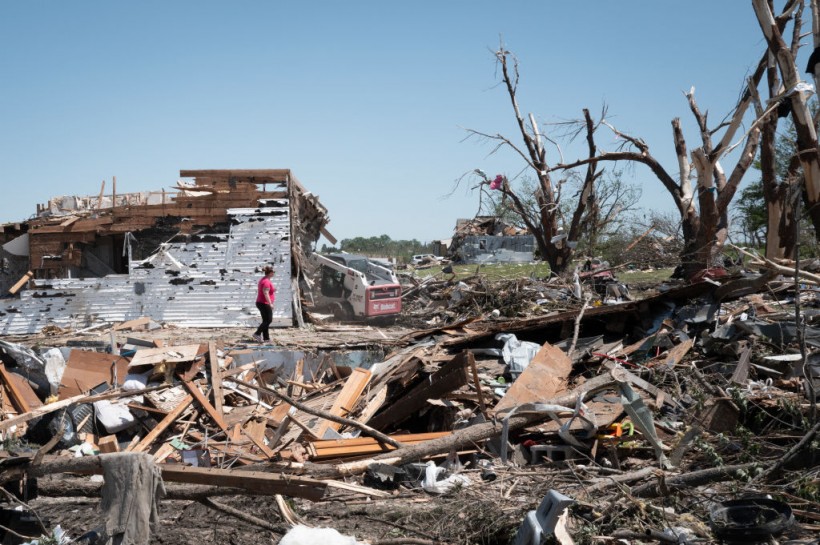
[(802, 117)]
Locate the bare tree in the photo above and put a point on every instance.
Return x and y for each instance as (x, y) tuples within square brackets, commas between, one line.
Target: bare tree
[(797, 93), (554, 242), (701, 189), (703, 208)]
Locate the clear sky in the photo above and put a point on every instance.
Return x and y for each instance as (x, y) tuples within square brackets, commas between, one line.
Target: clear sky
[(366, 101)]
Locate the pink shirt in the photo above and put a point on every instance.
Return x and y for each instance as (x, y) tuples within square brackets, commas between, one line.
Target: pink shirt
[(265, 285)]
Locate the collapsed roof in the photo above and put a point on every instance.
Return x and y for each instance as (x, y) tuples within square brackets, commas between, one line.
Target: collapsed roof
[(190, 257)]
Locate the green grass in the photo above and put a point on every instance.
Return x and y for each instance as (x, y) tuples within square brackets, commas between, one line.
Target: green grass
[(655, 276), (509, 271), (494, 271)]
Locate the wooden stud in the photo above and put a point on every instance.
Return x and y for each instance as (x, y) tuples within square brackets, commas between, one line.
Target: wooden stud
[(163, 425), (108, 444), (346, 400), (16, 395), (22, 282), (216, 378), (203, 401)]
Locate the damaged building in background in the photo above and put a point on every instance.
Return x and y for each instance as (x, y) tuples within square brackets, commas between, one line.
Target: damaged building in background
[(487, 239), (190, 257)]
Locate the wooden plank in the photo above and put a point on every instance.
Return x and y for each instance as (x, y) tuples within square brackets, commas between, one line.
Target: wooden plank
[(100, 198), (203, 401), (262, 175), (108, 444), (255, 431), (346, 400), (22, 282), (26, 390), (215, 378), (69, 221), (277, 415), (328, 236), (16, 395), (255, 481), (132, 324), (741, 374), (451, 376), (544, 378), (375, 403), (163, 452), (163, 425), (674, 356), (169, 354), (359, 446)]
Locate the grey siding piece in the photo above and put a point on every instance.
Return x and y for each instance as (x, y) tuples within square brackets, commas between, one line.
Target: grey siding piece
[(497, 249), (210, 281)]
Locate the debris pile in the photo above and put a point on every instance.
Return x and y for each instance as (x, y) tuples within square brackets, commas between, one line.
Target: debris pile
[(441, 299), (686, 416)]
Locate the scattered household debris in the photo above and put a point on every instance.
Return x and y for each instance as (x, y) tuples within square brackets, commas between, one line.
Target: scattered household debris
[(668, 418)]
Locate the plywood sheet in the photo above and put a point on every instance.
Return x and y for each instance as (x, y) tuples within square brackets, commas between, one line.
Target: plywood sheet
[(85, 370), (543, 379), (170, 354)]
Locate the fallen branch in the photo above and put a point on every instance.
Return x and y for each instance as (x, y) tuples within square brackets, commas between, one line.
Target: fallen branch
[(805, 442), (577, 329), (668, 484), (612, 480), (655, 535), (62, 487), (759, 261), (242, 515)]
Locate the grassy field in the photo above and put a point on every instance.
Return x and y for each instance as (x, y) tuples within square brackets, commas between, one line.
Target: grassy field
[(508, 271)]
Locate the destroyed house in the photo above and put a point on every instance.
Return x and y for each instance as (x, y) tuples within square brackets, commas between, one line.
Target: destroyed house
[(189, 257), (487, 239)]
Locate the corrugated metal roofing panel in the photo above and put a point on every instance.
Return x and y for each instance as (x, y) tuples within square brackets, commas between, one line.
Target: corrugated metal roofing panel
[(208, 282)]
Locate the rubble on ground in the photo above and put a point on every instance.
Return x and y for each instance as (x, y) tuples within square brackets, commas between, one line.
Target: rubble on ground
[(685, 415)]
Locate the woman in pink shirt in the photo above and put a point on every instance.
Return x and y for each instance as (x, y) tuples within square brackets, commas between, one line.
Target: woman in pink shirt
[(265, 296)]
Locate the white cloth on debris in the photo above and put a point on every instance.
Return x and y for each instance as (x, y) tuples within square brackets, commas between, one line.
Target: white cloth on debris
[(130, 496), (305, 535)]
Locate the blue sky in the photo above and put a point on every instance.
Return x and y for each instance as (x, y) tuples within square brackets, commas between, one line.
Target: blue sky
[(366, 101)]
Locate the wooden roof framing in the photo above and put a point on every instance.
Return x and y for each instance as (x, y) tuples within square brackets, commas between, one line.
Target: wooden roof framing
[(52, 243)]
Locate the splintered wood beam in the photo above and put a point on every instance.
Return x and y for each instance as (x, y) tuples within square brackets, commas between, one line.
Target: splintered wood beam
[(100, 198), (16, 395), (169, 419), (216, 377), (338, 448), (328, 236), (205, 404), (69, 221), (346, 400), (22, 282), (451, 376)]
